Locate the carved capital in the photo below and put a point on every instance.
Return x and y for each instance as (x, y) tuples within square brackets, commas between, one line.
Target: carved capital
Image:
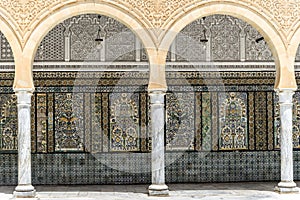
[(286, 96), (24, 96), (157, 97)]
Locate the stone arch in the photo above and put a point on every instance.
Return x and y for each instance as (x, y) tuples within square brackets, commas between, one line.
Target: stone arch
[(285, 78), (294, 44), (23, 77)]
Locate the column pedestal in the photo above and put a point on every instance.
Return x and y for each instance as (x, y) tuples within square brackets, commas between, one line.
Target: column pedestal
[(158, 190), (287, 185), (158, 187), (24, 188)]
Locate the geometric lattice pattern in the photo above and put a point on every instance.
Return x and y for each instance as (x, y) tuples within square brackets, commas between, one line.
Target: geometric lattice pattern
[(52, 46), (6, 51)]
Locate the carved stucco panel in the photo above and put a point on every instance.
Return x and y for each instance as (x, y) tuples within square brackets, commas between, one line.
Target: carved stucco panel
[(285, 13), (26, 14)]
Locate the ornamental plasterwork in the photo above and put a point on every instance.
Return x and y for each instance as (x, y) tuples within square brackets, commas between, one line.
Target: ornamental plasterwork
[(25, 15), (284, 12), (162, 13)]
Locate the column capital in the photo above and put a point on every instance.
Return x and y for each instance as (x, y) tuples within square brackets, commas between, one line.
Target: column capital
[(157, 97), (285, 96), (24, 96), (23, 90)]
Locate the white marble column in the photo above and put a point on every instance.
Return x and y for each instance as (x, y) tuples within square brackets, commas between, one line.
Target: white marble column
[(158, 186), (24, 188), (286, 142)]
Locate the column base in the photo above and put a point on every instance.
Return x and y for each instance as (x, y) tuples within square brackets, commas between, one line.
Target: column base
[(286, 187), (24, 191), (158, 190)]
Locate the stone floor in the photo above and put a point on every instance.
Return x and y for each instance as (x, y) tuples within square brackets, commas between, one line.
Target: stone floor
[(211, 191)]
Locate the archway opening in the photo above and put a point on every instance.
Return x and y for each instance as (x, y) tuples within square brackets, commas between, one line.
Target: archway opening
[(90, 104), (222, 111)]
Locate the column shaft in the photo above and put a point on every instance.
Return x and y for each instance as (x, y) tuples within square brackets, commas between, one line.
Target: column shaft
[(158, 187), (286, 142), (24, 188)]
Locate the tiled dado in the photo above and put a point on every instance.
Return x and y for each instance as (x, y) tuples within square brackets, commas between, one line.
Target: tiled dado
[(93, 128), (133, 168)]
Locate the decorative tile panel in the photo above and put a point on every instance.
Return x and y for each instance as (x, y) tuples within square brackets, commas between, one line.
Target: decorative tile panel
[(180, 131), (33, 125), (233, 121), (124, 122), (96, 123), (105, 121), (8, 123), (206, 121), (51, 122), (144, 121), (41, 123), (198, 122), (87, 124), (251, 120), (296, 120), (261, 121), (270, 121), (214, 126), (69, 125)]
